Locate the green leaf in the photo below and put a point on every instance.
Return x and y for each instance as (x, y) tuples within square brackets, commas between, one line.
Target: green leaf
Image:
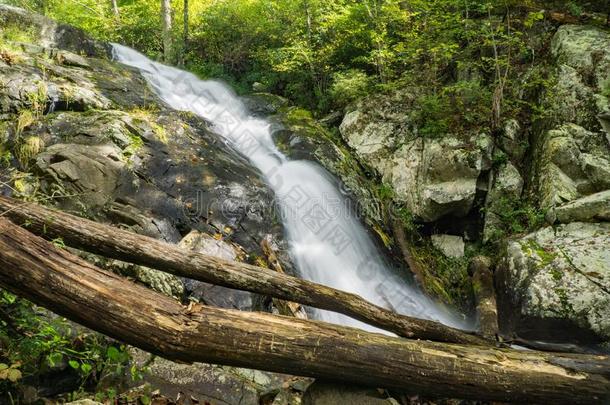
[(113, 354), (3, 366), (54, 358), (74, 364), (14, 375), (86, 368)]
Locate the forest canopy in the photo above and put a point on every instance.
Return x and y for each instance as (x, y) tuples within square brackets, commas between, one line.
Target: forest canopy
[(320, 54)]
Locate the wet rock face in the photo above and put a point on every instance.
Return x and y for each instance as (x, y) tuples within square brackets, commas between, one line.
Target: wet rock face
[(300, 137), (210, 294), (104, 146), (554, 284)]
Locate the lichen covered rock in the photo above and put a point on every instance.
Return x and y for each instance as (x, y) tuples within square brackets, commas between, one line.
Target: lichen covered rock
[(574, 163), (433, 177), (555, 284)]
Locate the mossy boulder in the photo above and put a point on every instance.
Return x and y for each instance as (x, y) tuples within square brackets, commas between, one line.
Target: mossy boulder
[(554, 284), (574, 163), (433, 177), (47, 32)]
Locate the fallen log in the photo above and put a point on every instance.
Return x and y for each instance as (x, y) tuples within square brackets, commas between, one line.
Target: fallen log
[(35, 269), (485, 296), (284, 307), (129, 247)]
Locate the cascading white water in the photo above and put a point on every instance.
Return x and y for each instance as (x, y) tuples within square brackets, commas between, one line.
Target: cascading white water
[(327, 242)]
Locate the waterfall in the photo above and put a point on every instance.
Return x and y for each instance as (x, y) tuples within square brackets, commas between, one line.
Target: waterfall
[(328, 244)]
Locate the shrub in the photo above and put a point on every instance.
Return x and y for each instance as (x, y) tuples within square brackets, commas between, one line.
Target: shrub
[(348, 86), (432, 115)]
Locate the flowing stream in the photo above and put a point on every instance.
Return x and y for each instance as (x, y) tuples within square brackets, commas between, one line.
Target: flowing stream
[(328, 244)]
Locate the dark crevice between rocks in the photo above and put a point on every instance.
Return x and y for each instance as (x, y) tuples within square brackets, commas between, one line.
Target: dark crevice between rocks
[(469, 226)]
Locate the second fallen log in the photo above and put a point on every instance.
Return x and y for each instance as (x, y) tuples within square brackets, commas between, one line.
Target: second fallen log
[(35, 269)]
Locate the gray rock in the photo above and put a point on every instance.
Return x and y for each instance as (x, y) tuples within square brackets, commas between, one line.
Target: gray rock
[(72, 59), (582, 55), (264, 104), (585, 48), (209, 293), (555, 283), (324, 393), (89, 174), (575, 163), (209, 383), (511, 141), (437, 177), (432, 177), (592, 208), (450, 245)]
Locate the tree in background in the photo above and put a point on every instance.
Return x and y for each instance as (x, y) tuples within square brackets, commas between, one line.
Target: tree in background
[(166, 24)]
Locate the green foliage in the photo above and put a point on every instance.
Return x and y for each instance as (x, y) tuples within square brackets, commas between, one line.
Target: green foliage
[(445, 277), (432, 115), (34, 341), (574, 8), (12, 33), (348, 87), (517, 216), (606, 88)]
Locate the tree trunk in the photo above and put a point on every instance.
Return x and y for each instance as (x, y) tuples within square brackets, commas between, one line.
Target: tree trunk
[(186, 31), (35, 269), (115, 8), (166, 23), (126, 246)]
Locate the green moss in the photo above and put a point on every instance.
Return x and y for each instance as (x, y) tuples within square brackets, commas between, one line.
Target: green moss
[(385, 192), (445, 278), (136, 143), (298, 114), (28, 148), (606, 88), (546, 256), (13, 33), (567, 310), (160, 132)]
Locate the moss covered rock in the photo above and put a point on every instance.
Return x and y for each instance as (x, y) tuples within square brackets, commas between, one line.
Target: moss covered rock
[(555, 284)]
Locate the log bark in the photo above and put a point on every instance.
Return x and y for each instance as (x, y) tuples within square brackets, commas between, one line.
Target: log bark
[(129, 247), (287, 308), (35, 269)]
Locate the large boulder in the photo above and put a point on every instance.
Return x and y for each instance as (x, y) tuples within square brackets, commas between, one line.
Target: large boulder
[(554, 284), (582, 55), (222, 385), (434, 177), (574, 163), (438, 177)]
